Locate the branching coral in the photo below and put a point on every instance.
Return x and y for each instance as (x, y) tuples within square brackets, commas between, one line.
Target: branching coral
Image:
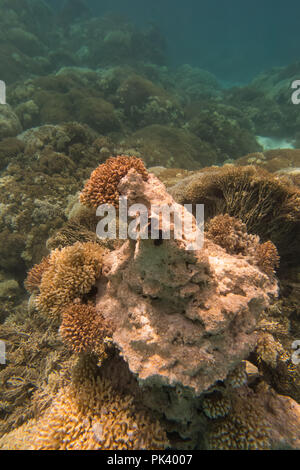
[(72, 272), (231, 234), (34, 276), (102, 187), (216, 405), (259, 419), (268, 205), (237, 377), (267, 257), (82, 329)]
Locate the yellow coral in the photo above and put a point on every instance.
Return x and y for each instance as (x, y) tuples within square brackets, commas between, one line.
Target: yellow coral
[(231, 234), (267, 257), (238, 376), (89, 416), (72, 272), (243, 429)]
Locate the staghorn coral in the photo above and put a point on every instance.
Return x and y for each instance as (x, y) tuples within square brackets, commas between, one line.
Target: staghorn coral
[(89, 414), (72, 272), (102, 187), (82, 329), (34, 276)]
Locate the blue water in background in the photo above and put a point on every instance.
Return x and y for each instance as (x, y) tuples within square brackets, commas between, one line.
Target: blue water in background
[(234, 39)]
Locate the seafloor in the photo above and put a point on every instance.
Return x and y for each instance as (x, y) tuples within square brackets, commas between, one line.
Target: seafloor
[(115, 344)]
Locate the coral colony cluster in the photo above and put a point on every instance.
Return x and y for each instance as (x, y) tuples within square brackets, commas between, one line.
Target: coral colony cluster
[(156, 336), (143, 343)]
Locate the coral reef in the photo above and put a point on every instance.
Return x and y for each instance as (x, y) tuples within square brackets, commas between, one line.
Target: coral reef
[(157, 327)]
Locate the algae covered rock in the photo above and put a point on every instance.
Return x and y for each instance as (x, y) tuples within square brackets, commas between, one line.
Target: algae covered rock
[(10, 125), (181, 317)]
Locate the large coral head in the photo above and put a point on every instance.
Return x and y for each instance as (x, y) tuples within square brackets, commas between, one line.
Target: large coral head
[(102, 187)]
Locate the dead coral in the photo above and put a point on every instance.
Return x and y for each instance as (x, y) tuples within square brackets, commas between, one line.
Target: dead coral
[(82, 328), (102, 187), (72, 273)]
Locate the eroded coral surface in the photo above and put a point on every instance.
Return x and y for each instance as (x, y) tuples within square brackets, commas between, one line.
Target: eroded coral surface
[(183, 317)]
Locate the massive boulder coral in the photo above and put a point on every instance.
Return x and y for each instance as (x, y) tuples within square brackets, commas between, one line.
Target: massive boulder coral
[(181, 316)]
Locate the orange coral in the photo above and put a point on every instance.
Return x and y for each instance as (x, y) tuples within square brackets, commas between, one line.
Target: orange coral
[(102, 187), (83, 328), (34, 276), (267, 257)]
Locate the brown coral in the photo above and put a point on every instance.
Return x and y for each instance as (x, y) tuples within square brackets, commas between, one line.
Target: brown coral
[(89, 415), (259, 419), (102, 187), (34, 276), (82, 329), (231, 234), (267, 257), (216, 405), (268, 205), (238, 376), (243, 429), (72, 273)]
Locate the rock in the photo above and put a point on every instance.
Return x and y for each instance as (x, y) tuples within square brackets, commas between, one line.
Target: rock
[(181, 317)]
